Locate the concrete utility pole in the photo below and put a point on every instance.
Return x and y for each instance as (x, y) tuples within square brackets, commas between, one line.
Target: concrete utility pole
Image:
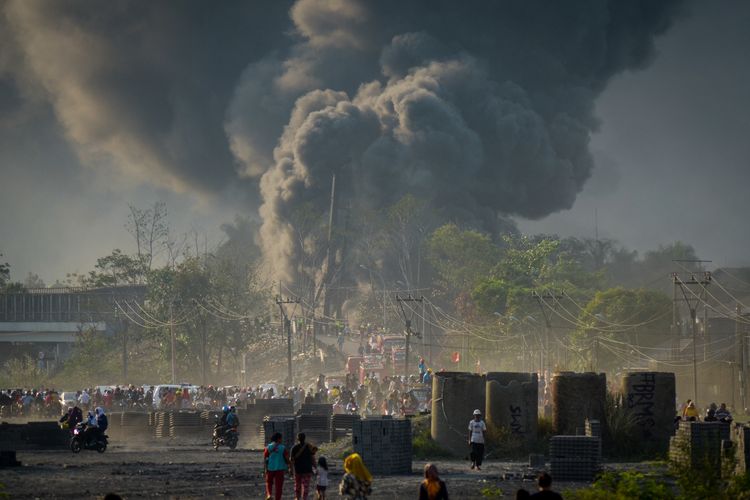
[(171, 338), (693, 308), (407, 323), (287, 325), (739, 351)]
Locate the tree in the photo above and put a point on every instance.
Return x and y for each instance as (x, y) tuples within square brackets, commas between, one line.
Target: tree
[(116, 269), (33, 281), (150, 230), (4, 273), (617, 318), (461, 257)]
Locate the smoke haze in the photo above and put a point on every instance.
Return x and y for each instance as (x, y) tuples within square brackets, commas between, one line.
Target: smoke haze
[(486, 109)]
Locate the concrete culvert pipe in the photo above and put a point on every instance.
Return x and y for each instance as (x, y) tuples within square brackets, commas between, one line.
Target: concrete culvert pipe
[(512, 403), (649, 398), (455, 395), (576, 397)]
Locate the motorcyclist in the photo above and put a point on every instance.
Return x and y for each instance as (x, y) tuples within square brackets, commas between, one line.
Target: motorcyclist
[(72, 418), (232, 418), (91, 432), (351, 406), (223, 421), (101, 422)]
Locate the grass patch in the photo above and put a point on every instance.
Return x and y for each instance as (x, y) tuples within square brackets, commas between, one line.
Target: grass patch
[(422, 444)]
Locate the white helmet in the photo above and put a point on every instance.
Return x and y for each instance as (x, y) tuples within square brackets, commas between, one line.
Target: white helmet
[(477, 412)]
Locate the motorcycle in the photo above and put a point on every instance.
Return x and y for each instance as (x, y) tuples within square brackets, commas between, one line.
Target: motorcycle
[(230, 437), (80, 441)]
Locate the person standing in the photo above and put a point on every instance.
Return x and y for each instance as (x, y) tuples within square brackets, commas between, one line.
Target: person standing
[(432, 488), (357, 482), (276, 463), (545, 488), (303, 455), (322, 470), (477, 428)]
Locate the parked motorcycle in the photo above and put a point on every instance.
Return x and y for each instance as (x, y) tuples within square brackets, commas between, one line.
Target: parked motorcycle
[(80, 441)]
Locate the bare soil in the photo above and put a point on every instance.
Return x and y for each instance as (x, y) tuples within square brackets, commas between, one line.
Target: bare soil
[(201, 472)]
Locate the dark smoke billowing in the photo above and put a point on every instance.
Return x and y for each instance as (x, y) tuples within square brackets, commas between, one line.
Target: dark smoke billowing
[(482, 108)]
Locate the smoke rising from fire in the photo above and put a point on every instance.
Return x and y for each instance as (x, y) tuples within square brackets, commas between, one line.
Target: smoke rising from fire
[(484, 108)]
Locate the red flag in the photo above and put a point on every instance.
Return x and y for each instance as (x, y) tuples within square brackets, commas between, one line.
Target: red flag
[(456, 358)]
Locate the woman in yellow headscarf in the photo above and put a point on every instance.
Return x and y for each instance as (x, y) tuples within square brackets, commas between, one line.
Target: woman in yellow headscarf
[(356, 483)]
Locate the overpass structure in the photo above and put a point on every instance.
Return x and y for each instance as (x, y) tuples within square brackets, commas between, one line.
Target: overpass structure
[(52, 318)]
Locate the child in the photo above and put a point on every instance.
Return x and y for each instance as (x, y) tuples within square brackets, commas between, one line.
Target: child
[(322, 470)]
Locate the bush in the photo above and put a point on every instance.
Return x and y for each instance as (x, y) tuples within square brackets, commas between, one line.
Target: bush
[(623, 486), (423, 446)]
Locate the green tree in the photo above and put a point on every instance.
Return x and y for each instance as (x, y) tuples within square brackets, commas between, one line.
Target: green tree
[(618, 318), (461, 257), (116, 269)]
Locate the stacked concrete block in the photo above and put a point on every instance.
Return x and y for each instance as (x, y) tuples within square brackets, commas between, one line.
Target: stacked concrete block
[(317, 428), (316, 409), (130, 427), (698, 444), (649, 398), (285, 424), (455, 395), (574, 458), (742, 447), (512, 403), (576, 397), (251, 419), (342, 425), (384, 445), (594, 429)]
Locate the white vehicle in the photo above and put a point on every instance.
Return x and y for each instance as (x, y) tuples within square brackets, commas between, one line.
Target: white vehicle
[(264, 388), (68, 399), (161, 390)]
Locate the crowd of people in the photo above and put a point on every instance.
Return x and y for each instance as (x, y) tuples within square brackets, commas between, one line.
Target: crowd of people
[(689, 412), (28, 403)]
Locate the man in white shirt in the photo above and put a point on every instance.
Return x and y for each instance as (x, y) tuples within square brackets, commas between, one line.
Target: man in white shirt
[(477, 428)]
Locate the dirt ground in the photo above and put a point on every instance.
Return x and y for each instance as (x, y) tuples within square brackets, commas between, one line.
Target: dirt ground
[(201, 472)]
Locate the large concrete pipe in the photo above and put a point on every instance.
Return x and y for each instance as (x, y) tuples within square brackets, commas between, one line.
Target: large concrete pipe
[(512, 403), (455, 395), (649, 397), (576, 397)]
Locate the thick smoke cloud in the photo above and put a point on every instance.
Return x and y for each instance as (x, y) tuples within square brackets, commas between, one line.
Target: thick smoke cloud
[(483, 108), (143, 87)]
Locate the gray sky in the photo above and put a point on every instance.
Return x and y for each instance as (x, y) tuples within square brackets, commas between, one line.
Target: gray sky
[(672, 156)]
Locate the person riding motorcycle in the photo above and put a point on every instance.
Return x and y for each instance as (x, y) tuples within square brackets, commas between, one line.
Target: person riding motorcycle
[(90, 432), (228, 420), (232, 419), (72, 418), (101, 421)]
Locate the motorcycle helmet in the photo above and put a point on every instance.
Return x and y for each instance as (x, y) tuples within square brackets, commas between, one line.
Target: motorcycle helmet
[(232, 409), (225, 409)]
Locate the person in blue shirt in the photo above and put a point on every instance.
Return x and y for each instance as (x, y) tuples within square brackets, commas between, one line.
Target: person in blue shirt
[(276, 464)]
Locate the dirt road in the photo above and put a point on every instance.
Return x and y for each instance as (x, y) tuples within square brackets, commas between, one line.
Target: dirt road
[(200, 472)]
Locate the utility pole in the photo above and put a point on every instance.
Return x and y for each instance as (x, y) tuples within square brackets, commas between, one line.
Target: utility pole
[(171, 338), (540, 299), (693, 308), (407, 323), (287, 324), (739, 351)]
